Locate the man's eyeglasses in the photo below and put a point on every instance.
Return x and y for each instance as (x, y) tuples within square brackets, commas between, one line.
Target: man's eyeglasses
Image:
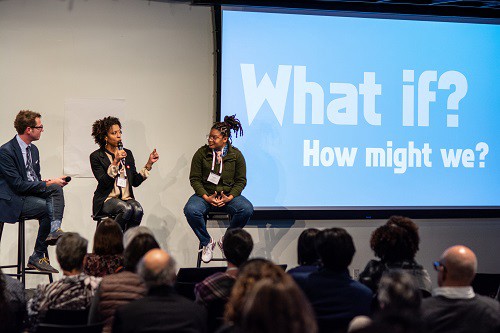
[(213, 137), (38, 127), (438, 264)]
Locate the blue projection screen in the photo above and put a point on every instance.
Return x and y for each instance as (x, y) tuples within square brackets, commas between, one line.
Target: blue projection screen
[(363, 112)]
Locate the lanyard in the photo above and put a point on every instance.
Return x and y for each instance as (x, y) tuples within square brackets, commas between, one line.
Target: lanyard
[(213, 162)]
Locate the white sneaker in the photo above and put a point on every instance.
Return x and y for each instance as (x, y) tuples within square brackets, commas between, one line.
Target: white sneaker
[(208, 251)]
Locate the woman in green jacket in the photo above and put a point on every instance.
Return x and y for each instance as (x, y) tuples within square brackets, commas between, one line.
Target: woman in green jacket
[(218, 176)]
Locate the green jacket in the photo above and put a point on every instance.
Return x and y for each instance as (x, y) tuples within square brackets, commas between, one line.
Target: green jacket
[(234, 172)]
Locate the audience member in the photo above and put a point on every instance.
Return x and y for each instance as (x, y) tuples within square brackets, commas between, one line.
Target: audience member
[(250, 273), (237, 247), (107, 254), (214, 291), (398, 296), (162, 310), (335, 297), (306, 254), (122, 288), (277, 308), (396, 244), (135, 231), (74, 291), (12, 304), (454, 307)]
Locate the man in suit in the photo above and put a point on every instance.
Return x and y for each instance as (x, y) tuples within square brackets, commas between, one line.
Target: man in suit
[(162, 310), (23, 192)]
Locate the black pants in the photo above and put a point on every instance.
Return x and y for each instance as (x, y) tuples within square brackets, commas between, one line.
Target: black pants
[(128, 213)]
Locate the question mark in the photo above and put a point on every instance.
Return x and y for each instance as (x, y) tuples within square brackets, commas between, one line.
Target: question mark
[(460, 82), (483, 148)]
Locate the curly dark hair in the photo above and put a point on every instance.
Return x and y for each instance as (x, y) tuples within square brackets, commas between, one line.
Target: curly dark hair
[(229, 123), (101, 127), (25, 119), (397, 240)]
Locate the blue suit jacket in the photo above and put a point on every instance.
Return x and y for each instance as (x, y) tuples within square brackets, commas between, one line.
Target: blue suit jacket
[(14, 183)]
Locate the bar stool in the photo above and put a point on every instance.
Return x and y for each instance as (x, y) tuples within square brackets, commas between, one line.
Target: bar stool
[(22, 270), (219, 216)]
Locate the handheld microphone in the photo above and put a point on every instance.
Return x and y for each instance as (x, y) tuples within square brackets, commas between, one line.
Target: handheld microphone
[(120, 147), (67, 179)]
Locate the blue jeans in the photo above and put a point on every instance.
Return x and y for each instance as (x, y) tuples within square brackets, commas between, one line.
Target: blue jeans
[(47, 207), (197, 208)]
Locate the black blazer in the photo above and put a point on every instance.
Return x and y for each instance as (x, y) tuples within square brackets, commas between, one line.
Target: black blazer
[(14, 183), (99, 162), (162, 310)]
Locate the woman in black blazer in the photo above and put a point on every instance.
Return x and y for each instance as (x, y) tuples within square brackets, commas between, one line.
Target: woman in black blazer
[(116, 174)]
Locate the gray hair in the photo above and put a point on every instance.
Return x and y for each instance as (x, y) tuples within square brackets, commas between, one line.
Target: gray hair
[(398, 290), (135, 231), (70, 250), (154, 278)]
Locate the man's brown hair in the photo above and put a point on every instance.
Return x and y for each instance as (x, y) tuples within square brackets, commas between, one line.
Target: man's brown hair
[(25, 119)]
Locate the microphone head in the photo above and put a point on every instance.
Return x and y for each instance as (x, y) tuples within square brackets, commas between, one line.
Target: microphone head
[(67, 179), (120, 145)]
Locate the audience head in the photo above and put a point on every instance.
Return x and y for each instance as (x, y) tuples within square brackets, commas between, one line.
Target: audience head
[(398, 291), (135, 231), (277, 307), (157, 268), (249, 273), (237, 246), (306, 252), (335, 248), (396, 241), (70, 250), (137, 248), (108, 238), (456, 267)]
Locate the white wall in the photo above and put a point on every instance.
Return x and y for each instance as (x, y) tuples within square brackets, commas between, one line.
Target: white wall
[(159, 58)]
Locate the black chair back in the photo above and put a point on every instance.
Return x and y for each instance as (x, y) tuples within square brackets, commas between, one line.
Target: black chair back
[(66, 317), (187, 278), (486, 284), (53, 328)]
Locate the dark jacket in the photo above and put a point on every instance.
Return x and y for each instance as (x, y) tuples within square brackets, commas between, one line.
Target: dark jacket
[(14, 183), (335, 298), (233, 179), (162, 310), (99, 162)]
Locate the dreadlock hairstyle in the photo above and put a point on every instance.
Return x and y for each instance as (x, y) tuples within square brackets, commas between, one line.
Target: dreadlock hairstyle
[(229, 123), (101, 127)]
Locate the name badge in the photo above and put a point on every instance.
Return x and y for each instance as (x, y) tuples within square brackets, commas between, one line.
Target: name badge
[(213, 178), (121, 182)]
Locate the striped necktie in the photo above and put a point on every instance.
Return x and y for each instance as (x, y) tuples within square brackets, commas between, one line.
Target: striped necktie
[(29, 165)]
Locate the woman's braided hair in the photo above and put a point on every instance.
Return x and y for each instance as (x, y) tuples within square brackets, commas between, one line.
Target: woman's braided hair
[(229, 123)]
